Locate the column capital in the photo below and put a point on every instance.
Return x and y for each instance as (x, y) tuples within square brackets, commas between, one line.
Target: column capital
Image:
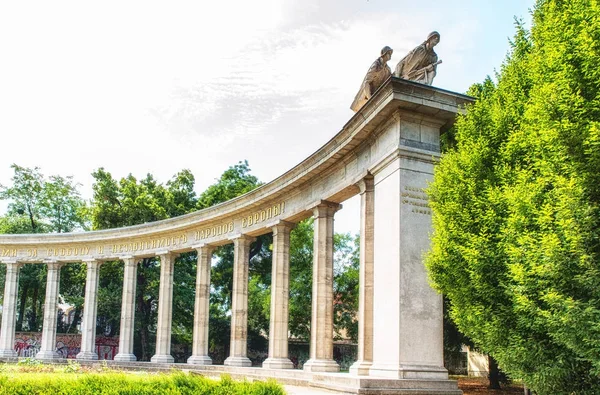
[(242, 237), (325, 208), (92, 262), (54, 265), (366, 184), (13, 264), (167, 253), (282, 225), (129, 259), (204, 246)]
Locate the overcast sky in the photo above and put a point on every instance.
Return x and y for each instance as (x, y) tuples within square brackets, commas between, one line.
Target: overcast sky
[(148, 86)]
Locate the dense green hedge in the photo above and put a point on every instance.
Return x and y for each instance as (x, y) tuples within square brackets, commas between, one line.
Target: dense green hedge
[(124, 384)]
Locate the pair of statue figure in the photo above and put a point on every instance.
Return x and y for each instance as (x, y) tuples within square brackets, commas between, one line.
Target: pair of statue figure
[(419, 65)]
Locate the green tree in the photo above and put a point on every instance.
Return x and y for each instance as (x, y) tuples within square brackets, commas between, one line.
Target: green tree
[(38, 205), (515, 201), (25, 195), (130, 202)]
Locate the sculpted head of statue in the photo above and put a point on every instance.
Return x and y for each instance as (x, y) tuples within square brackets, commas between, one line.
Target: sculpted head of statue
[(432, 39), (386, 53)]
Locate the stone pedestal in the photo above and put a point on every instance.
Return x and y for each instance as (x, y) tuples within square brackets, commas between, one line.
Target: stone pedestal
[(88, 323), (165, 310), (9, 311), (280, 290), (239, 303), (202, 308), (48, 347), (125, 353), (365, 299), (321, 333)]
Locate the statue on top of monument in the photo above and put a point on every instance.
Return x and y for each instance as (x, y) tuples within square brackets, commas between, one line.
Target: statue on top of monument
[(378, 73), (420, 64)]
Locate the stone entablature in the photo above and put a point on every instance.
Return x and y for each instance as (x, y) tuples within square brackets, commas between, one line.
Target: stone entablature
[(401, 111)]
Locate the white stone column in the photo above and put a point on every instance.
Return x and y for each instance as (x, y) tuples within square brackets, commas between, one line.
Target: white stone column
[(90, 309), (365, 297), (9, 310), (125, 353), (280, 293), (165, 310), (239, 303), (321, 327), (202, 308), (48, 347), (408, 319)]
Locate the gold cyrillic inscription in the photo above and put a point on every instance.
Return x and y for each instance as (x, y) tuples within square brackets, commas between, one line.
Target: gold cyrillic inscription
[(216, 230), (68, 251), (9, 252), (263, 215), (163, 242)]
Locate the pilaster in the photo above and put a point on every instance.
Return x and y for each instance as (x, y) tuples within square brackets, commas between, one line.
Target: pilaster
[(365, 299), (239, 303), (321, 328)]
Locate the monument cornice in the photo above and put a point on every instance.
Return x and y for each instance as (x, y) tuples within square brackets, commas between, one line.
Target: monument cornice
[(330, 174)]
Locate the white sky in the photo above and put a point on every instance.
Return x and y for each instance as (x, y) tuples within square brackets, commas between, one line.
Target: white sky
[(149, 86)]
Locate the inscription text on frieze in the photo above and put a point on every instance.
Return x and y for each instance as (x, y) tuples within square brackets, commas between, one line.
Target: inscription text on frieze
[(163, 242), (263, 215), (130, 247)]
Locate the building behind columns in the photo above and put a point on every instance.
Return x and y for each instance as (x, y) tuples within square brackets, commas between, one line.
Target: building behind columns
[(386, 154)]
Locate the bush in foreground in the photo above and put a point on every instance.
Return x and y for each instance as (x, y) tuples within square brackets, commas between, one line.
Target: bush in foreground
[(125, 384)]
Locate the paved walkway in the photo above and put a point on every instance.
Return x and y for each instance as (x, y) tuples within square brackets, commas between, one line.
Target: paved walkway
[(296, 390)]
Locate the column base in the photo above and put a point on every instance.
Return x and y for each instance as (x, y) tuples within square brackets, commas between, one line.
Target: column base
[(321, 365), (121, 357), (48, 355), (360, 368), (199, 360), (8, 354), (405, 371), (238, 361), (87, 355), (162, 359), (277, 363)]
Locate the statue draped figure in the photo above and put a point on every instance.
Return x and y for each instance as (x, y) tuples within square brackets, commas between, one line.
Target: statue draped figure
[(378, 73), (420, 65)]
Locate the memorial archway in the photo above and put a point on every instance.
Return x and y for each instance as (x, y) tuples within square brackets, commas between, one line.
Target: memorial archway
[(385, 153)]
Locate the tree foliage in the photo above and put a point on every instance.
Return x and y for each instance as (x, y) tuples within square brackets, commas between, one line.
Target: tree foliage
[(515, 201), (130, 202), (40, 205)]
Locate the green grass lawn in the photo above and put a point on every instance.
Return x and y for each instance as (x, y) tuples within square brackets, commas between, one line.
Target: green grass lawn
[(34, 378)]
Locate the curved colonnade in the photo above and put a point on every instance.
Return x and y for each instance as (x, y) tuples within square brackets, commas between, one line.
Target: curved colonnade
[(385, 153)]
